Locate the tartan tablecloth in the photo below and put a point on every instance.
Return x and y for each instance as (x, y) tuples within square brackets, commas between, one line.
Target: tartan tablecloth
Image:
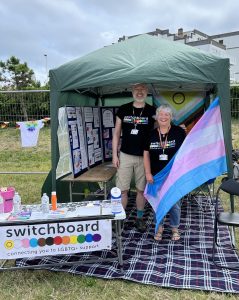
[(184, 264)]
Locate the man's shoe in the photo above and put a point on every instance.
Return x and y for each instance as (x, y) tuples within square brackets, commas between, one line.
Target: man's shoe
[(140, 225)]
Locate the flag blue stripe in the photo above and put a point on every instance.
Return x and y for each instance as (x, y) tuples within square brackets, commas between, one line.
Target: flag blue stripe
[(152, 189), (185, 184), (213, 104)]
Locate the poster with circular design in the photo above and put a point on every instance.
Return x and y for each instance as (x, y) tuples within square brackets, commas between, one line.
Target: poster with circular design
[(178, 98)]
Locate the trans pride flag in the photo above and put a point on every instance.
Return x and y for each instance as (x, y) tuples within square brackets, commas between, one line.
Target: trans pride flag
[(200, 158)]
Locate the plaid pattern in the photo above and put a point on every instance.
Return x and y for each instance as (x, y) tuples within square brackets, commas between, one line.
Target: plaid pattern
[(183, 264)]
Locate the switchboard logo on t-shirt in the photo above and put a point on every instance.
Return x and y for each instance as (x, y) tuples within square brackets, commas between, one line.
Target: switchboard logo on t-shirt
[(157, 145), (136, 120)]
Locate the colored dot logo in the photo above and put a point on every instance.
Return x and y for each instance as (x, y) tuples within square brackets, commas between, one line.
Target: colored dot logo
[(57, 240), (73, 239), (9, 244), (50, 241), (81, 239)]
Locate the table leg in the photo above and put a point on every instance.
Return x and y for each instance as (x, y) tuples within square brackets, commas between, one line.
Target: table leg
[(105, 190), (118, 231), (70, 190)]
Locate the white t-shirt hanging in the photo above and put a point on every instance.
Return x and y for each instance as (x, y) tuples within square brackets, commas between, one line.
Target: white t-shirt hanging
[(30, 132)]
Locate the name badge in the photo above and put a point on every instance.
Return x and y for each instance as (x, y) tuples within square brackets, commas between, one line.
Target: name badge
[(134, 131), (163, 157)]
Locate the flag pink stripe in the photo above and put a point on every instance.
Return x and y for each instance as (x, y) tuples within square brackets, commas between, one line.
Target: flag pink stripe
[(187, 163), (153, 201), (196, 142)]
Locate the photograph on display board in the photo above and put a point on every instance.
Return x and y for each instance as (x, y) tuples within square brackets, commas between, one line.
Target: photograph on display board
[(81, 133), (89, 133), (79, 159), (108, 116), (108, 149), (71, 113), (93, 135), (91, 156), (74, 134), (96, 138)]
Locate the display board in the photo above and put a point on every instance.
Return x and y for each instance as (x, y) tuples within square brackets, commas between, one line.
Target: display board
[(90, 131), (108, 115), (64, 165), (84, 138)]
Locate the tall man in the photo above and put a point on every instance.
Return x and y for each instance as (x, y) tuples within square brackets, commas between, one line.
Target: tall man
[(135, 120)]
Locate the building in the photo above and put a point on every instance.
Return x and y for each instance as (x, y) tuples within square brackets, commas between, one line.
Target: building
[(223, 45)]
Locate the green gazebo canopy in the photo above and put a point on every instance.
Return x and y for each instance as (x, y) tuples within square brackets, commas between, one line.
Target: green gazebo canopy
[(164, 65)]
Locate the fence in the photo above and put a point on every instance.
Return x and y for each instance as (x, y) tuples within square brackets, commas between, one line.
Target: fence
[(24, 105), (235, 101), (35, 105)]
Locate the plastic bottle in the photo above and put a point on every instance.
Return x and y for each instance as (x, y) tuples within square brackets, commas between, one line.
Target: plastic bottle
[(45, 204), (1, 204), (17, 203), (116, 205), (53, 201)]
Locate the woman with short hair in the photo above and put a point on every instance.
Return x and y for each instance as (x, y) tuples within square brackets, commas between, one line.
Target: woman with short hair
[(163, 143)]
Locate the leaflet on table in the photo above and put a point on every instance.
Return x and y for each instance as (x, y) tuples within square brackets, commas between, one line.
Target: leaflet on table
[(79, 211), (23, 215), (106, 208), (36, 215), (92, 208), (59, 213), (88, 210)]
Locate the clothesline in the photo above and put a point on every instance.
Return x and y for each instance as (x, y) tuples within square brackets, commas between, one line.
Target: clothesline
[(5, 124), (29, 130)]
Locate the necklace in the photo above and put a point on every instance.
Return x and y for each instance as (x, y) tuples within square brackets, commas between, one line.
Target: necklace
[(136, 119), (165, 135)]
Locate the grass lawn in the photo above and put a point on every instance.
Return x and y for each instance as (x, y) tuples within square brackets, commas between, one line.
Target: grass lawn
[(56, 285)]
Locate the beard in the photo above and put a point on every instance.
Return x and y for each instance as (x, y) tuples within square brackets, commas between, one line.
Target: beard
[(139, 100)]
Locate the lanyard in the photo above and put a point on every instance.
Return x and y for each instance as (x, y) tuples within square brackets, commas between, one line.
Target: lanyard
[(137, 121), (163, 144)]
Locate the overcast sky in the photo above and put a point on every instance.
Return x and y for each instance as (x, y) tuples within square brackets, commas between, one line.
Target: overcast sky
[(67, 29)]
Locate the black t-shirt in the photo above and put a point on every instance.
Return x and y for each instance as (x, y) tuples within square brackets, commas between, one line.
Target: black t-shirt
[(130, 116), (175, 138)]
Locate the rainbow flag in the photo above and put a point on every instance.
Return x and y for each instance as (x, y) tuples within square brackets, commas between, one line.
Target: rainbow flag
[(200, 158), (183, 108)]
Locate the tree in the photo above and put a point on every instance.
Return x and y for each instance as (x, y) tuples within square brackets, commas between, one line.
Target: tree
[(16, 75)]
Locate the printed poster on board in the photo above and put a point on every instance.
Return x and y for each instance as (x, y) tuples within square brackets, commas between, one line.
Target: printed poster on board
[(108, 116), (78, 152), (93, 135)]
